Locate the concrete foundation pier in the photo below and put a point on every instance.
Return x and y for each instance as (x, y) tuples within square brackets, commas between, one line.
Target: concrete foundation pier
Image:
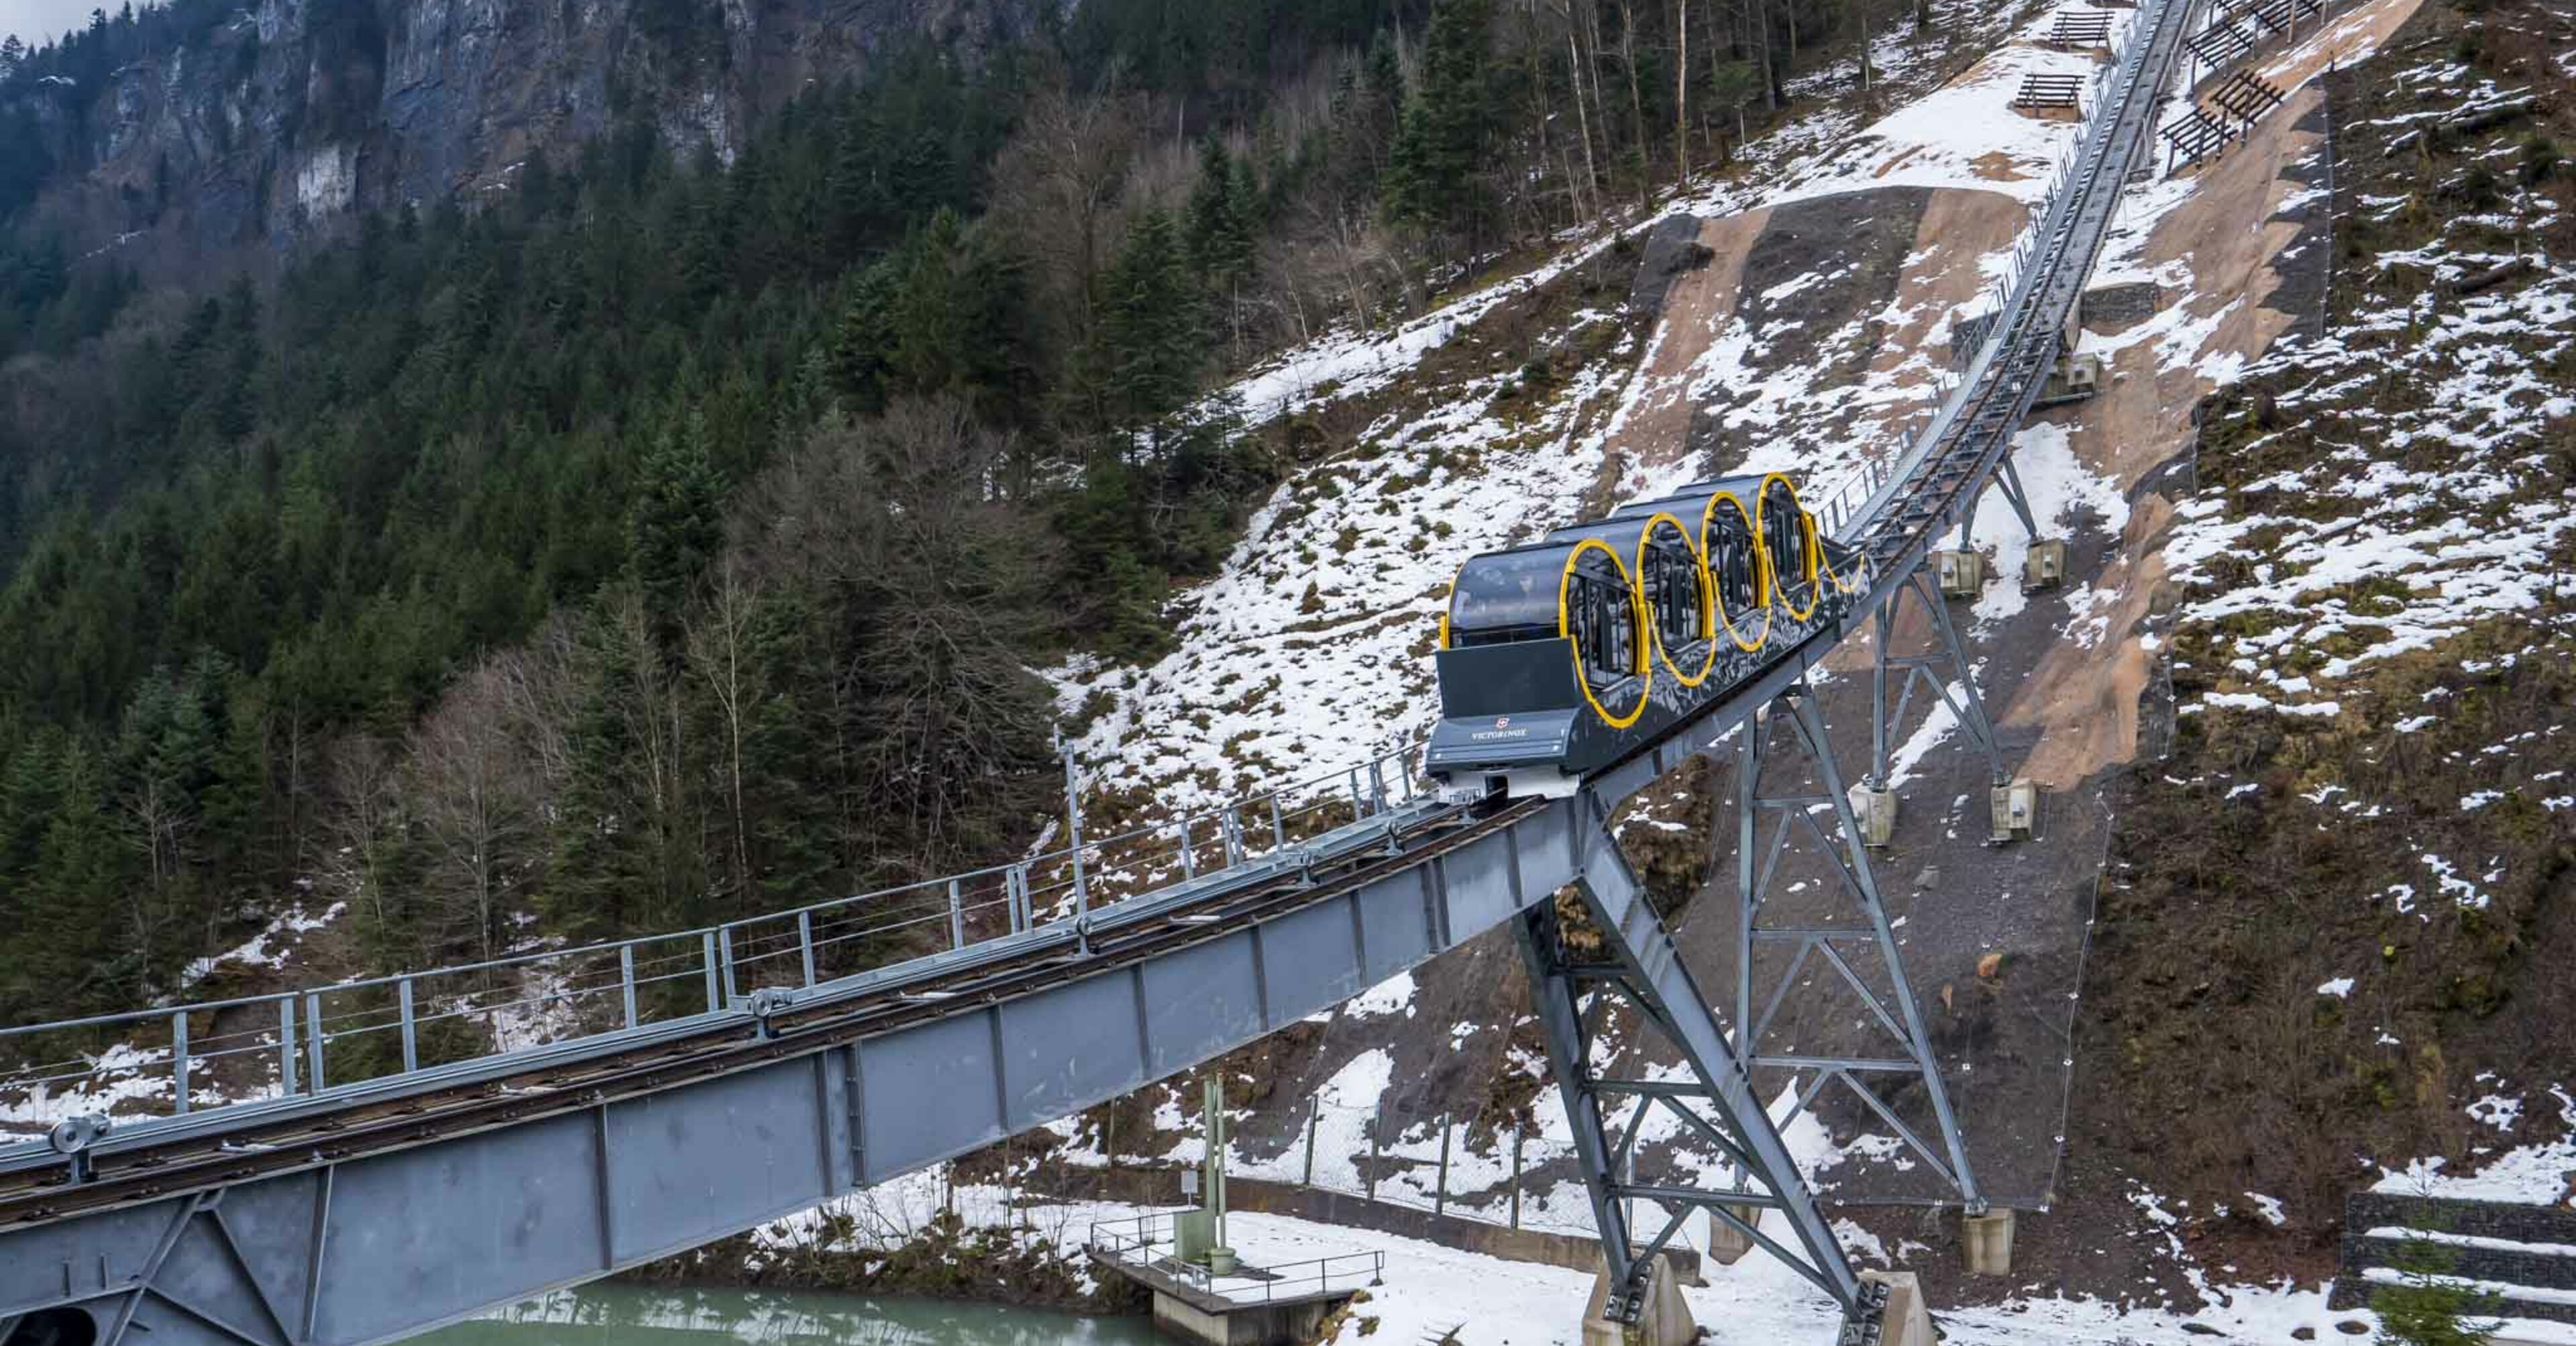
[(1665, 1322), (1908, 1322), (1989, 1240), (1726, 1243)]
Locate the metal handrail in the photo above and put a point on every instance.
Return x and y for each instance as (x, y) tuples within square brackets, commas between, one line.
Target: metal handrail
[(1040, 891), (2038, 256), (1273, 1279)]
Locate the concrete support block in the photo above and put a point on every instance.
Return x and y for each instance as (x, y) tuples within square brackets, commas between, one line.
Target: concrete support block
[(1962, 574), (2016, 812), (2075, 376), (1728, 1244), (1908, 1322), (1664, 1321), (1989, 1239), (1875, 810), (2045, 566)]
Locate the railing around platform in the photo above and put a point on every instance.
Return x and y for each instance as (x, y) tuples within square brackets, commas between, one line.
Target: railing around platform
[(1134, 1241)]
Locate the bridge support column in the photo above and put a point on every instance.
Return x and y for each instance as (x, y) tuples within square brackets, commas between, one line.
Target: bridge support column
[(1605, 947), (1909, 1319), (1832, 937), (1958, 696)]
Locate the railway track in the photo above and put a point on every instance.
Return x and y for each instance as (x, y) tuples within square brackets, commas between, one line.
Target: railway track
[(816, 1022)]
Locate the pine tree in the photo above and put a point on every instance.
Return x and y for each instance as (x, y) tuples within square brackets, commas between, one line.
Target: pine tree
[(1434, 178), (929, 353), (2428, 1306), (678, 521), (1220, 227), (1152, 328)]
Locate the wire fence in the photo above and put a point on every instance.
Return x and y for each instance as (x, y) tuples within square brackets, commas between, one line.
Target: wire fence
[(194, 1057)]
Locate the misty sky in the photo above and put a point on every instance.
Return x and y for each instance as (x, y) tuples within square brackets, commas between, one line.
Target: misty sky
[(40, 21)]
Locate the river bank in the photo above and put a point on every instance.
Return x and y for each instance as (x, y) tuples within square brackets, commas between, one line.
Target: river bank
[(856, 1249), (620, 1313)]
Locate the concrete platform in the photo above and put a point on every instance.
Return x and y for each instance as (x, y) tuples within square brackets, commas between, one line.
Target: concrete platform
[(1186, 1310)]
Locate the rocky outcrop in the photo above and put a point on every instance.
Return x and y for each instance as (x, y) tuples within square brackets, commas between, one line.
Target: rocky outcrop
[(283, 122)]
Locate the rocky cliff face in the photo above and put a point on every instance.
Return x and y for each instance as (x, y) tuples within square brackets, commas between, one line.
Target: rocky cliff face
[(283, 121)]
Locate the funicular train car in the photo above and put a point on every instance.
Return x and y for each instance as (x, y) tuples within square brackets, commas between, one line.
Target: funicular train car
[(1565, 655)]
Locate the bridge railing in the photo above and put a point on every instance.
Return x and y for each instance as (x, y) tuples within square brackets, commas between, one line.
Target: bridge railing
[(184, 1058), (1134, 1237)]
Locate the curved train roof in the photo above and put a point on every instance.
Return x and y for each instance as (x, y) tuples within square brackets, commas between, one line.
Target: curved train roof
[(1691, 500), (1515, 587), (1622, 531)]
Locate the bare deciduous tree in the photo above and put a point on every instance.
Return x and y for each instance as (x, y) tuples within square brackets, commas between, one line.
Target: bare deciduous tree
[(364, 825), (473, 786), (717, 637), (1057, 190)]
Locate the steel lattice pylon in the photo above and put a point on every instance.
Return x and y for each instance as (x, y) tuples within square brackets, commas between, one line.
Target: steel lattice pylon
[(1637, 964), (1790, 810), (1959, 697)]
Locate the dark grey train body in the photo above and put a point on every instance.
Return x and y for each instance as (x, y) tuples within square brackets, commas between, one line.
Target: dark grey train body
[(1564, 656)]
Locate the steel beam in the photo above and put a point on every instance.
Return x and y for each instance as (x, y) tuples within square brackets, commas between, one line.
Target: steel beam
[(1640, 966), (1960, 697), (1896, 1014)]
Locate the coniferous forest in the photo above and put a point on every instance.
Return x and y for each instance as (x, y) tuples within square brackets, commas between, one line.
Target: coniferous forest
[(665, 539)]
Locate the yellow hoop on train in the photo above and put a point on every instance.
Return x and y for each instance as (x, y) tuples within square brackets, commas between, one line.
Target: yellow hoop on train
[(1707, 601), (1636, 615), (1761, 577), (1859, 565), (1807, 539)]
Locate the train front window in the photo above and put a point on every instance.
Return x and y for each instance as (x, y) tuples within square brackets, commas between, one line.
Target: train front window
[(1506, 596)]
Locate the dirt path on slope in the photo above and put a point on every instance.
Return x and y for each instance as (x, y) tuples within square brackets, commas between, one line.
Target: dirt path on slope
[(1696, 309), (2227, 237)]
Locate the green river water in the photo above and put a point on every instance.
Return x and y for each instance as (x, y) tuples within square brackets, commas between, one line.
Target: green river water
[(624, 1315)]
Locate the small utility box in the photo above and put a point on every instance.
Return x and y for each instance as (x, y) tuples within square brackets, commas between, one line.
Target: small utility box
[(1875, 810), (2045, 567), (2016, 812), (1962, 573)]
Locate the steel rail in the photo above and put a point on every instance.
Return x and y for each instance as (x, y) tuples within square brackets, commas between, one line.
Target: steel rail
[(715, 1045)]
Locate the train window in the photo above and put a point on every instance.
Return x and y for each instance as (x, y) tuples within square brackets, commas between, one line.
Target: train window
[(1784, 535), (1672, 594), (1604, 629), (1730, 565), (1506, 596)]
